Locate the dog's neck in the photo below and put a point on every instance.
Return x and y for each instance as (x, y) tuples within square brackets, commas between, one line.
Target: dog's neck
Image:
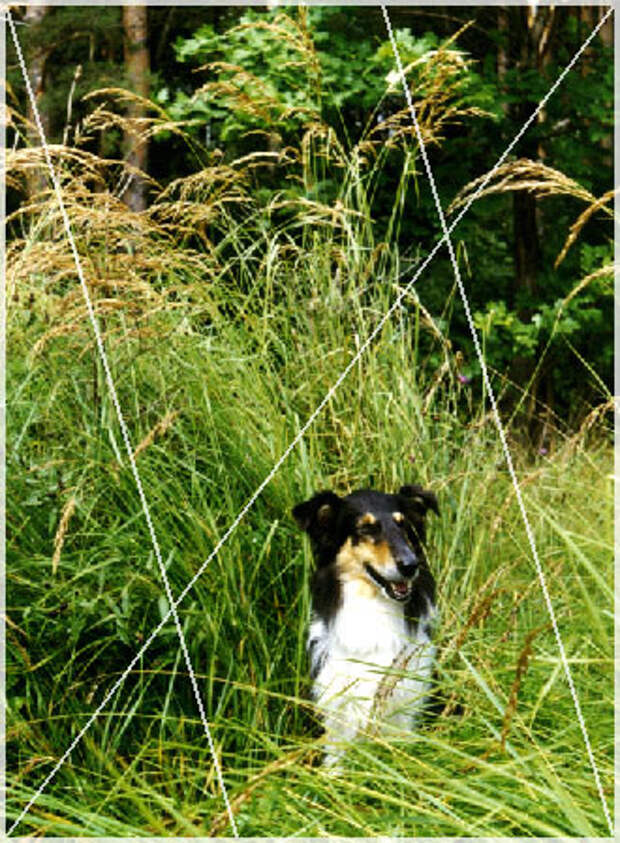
[(367, 621)]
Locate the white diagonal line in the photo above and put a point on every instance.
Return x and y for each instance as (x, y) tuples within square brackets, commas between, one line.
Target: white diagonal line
[(485, 375), (299, 436), (121, 421)]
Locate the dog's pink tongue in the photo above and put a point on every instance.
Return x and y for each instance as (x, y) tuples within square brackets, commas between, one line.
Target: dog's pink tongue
[(400, 587)]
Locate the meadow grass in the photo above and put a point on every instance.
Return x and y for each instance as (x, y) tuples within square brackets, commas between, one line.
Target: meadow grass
[(241, 386), (220, 352)]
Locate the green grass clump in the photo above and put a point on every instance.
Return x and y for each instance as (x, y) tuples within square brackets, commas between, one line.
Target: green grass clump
[(216, 374)]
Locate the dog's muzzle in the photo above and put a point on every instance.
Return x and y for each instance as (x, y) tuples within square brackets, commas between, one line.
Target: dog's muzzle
[(395, 589)]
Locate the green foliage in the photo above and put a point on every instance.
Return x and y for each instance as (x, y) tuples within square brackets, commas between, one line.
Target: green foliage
[(505, 335), (317, 65)]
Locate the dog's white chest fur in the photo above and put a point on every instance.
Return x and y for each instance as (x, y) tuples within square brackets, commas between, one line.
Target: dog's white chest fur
[(373, 674)]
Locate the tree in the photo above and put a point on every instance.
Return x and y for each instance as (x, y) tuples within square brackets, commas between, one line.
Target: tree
[(530, 36), (37, 57), (137, 66)]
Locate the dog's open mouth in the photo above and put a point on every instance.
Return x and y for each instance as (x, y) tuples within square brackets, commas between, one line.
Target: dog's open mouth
[(396, 589), (401, 589)]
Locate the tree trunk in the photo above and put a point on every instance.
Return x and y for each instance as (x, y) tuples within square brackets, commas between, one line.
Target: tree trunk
[(33, 18), (503, 59), (532, 29), (606, 34), (137, 67), (607, 30)]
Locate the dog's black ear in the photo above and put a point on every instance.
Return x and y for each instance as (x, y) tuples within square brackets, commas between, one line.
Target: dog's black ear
[(317, 515), (419, 499)]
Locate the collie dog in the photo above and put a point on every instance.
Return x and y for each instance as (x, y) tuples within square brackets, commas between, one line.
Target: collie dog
[(373, 610)]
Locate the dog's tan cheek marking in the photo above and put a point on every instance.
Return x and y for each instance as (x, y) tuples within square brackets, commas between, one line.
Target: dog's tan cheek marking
[(350, 566), (350, 560), (347, 563), (398, 517), (367, 518), (379, 555)]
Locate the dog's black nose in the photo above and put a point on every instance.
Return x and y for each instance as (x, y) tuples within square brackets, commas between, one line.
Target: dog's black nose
[(407, 567)]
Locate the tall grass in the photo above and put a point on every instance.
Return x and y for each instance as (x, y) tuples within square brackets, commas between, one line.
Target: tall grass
[(225, 325)]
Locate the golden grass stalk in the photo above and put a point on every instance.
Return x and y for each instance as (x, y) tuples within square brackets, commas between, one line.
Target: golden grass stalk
[(523, 174), (91, 169), (575, 229), (295, 34), (59, 538), (426, 318), (525, 481), (62, 330), (607, 271), (522, 665), (438, 377), (124, 255), (386, 688), (262, 105), (479, 613), (159, 430), (593, 417), (318, 213)]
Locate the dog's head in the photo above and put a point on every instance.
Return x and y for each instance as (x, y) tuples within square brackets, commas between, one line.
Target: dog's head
[(371, 537)]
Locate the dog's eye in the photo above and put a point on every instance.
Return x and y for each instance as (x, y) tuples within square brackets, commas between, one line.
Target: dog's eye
[(369, 529)]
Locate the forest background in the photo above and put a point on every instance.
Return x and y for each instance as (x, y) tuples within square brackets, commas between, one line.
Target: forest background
[(247, 198), (518, 283)]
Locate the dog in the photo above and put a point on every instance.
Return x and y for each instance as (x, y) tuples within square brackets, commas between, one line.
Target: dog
[(373, 612)]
